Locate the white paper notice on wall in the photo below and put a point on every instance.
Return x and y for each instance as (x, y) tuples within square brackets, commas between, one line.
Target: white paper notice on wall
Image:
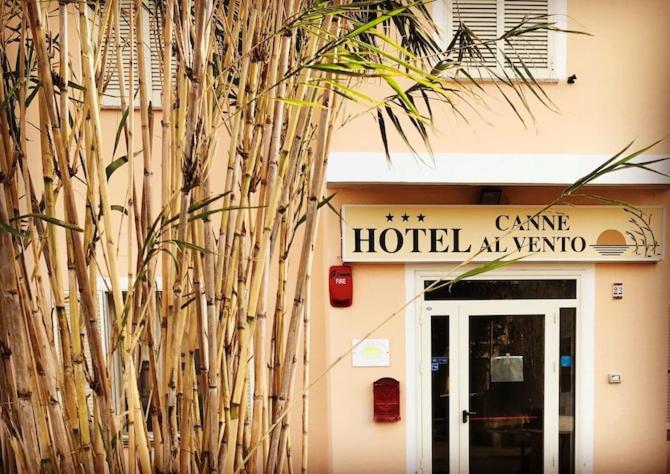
[(371, 353)]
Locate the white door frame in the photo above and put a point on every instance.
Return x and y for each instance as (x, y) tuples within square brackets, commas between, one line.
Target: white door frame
[(418, 400), (459, 313)]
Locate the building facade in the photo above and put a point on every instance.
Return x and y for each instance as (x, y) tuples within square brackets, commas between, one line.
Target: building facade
[(556, 361), (466, 359)]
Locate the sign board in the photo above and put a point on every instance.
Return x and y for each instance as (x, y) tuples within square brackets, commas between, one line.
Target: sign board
[(371, 353), (372, 233)]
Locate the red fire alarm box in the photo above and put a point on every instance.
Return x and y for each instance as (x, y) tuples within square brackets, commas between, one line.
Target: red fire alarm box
[(386, 394), (340, 286)]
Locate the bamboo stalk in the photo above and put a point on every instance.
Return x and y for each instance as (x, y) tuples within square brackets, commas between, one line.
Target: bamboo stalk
[(191, 171), (306, 351), (278, 440), (100, 370)]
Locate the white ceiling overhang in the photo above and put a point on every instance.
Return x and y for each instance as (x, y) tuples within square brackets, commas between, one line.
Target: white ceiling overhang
[(485, 169)]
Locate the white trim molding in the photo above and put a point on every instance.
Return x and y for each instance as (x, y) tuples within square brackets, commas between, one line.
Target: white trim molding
[(346, 168)]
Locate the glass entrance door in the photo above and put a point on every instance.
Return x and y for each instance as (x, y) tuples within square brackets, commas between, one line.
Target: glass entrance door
[(494, 378), (505, 413)]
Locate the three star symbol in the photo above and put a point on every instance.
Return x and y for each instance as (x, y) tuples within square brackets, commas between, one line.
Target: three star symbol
[(405, 217)]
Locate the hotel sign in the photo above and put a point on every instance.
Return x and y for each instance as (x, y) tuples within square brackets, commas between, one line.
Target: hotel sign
[(455, 233)]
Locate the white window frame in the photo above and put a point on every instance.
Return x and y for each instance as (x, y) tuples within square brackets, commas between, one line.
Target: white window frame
[(557, 41)]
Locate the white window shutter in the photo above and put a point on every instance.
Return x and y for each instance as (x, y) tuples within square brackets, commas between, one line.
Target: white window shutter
[(481, 17), (533, 46), (490, 19), (157, 49), (112, 95)]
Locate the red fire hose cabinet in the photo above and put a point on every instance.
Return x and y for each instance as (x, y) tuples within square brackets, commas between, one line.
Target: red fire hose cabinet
[(386, 395)]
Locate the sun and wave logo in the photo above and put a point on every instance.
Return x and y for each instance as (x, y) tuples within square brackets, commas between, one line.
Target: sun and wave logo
[(611, 242), (638, 238)]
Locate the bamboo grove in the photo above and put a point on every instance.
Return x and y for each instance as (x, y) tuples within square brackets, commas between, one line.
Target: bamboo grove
[(251, 91)]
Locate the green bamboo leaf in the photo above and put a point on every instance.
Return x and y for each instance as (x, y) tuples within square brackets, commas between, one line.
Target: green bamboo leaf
[(9, 96), (486, 267), (118, 163), (74, 85), (323, 202), (215, 211), (205, 202), (611, 165), (12, 230), (114, 165), (190, 246), (51, 220), (32, 94), (646, 168), (614, 202), (380, 19), (384, 136), (302, 103), (119, 130), (118, 207)]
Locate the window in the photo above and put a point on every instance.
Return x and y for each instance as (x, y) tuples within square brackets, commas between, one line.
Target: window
[(88, 363), (501, 290), (144, 385), (542, 51), (151, 20)]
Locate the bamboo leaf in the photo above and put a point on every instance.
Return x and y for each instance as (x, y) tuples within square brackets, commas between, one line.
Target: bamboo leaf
[(302, 103), (118, 207), (51, 220), (12, 230), (323, 202), (9, 96), (382, 132), (118, 163), (74, 85), (202, 215), (190, 246), (114, 165), (119, 130), (486, 267)]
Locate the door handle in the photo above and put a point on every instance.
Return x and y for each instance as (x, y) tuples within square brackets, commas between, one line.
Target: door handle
[(467, 414)]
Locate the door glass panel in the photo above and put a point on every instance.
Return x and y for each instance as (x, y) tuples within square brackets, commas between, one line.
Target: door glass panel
[(440, 391), (506, 393), (566, 395)]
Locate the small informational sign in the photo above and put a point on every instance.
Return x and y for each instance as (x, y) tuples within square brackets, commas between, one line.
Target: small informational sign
[(371, 353), (507, 369), (566, 361)]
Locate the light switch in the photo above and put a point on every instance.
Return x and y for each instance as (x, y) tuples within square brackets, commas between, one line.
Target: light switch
[(614, 378)]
